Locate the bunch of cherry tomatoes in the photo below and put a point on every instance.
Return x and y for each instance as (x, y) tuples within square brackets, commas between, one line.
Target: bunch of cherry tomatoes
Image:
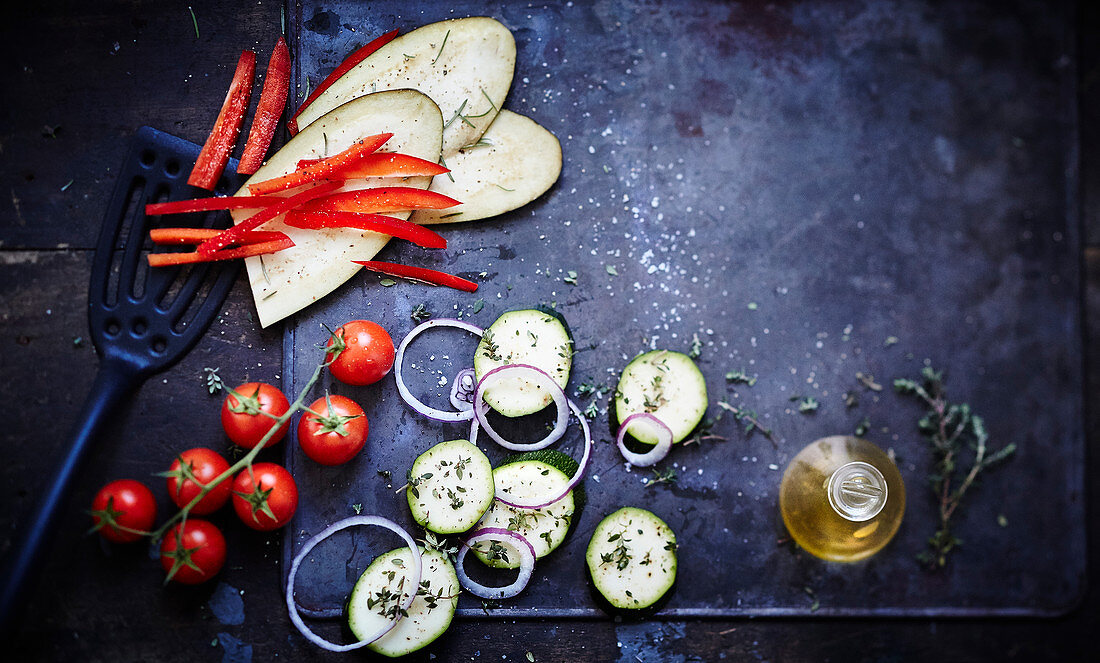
[(332, 431)]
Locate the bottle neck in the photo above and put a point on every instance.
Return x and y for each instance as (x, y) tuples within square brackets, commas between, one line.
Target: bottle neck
[(857, 491)]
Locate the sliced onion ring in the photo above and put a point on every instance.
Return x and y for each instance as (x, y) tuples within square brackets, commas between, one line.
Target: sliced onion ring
[(462, 389), (526, 564), (399, 360), (292, 605), (533, 374), (578, 476), (659, 450)]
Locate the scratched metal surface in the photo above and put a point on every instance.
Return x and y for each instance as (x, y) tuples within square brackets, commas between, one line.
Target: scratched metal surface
[(794, 185)]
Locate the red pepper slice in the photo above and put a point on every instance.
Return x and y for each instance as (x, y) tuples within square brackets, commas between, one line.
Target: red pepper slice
[(211, 204), (387, 225), (259, 248), (238, 232), (326, 168), (268, 110), (381, 199), (355, 58), (199, 235), (215, 152), (385, 164), (430, 276)]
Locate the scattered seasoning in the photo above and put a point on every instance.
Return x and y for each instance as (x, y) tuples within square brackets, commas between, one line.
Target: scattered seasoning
[(814, 602), (752, 306), (420, 313), (478, 305), (50, 132), (1002, 520), (78, 342), (863, 427), (195, 21), (807, 405), (441, 47), (696, 346), (213, 380), (668, 476), (851, 399), (570, 277), (269, 295), (67, 185), (951, 428), (890, 340), (358, 508), (530, 657), (592, 411), (387, 282), (740, 377), (750, 420), (611, 270), (385, 474), (868, 380)]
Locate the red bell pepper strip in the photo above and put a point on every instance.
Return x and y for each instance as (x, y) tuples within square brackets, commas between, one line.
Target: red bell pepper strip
[(429, 276), (352, 60), (259, 248), (237, 233), (387, 225), (199, 235), (215, 152), (211, 204), (381, 199), (385, 164), (268, 110), (324, 169)]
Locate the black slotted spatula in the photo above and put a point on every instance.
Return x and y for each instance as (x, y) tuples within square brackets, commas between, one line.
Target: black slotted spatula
[(141, 320)]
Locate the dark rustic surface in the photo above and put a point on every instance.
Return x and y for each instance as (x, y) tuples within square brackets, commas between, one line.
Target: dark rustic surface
[(93, 73), (815, 179)]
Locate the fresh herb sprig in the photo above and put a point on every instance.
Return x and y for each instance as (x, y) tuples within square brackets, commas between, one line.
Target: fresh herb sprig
[(750, 420), (951, 428)]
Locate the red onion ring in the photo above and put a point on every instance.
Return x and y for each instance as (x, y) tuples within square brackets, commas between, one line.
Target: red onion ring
[(462, 389), (659, 450), (481, 408), (292, 605), (526, 565), (578, 476), (412, 401)]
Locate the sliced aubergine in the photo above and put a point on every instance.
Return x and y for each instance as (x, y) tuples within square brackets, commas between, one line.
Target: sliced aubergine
[(529, 336), (666, 384), (384, 585), (543, 528), (632, 558), (450, 487)]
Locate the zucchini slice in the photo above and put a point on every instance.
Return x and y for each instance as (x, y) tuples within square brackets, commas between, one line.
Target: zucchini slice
[(380, 589), (632, 558), (544, 528), (666, 384), (528, 336), (450, 487)]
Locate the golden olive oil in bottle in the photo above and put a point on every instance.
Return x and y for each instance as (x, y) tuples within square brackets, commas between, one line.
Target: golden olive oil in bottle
[(842, 498)]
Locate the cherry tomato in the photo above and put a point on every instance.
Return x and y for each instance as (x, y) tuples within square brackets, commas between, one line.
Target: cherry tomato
[(243, 418), (190, 472), (337, 434), (195, 549), (123, 511), (367, 352), (265, 497)]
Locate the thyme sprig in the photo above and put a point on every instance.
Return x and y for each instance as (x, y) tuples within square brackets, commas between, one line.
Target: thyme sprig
[(951, 428), (750, 420)]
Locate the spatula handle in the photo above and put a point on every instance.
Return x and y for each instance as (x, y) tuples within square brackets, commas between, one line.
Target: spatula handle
[(114, 381)]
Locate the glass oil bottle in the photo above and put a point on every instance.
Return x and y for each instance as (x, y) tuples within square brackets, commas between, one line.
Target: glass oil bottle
[(842, 498)]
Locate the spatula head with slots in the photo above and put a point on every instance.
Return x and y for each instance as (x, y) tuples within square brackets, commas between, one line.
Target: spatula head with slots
[(149, 318)]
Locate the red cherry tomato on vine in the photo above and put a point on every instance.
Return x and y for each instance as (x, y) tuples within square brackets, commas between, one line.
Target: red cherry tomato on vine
[(265, 496), (190, 472), (364, 352), (124, 511), (337, 434), (193, 551), (243, 418)]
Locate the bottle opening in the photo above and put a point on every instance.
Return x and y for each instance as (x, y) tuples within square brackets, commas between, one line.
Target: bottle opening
[(857, 491)]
